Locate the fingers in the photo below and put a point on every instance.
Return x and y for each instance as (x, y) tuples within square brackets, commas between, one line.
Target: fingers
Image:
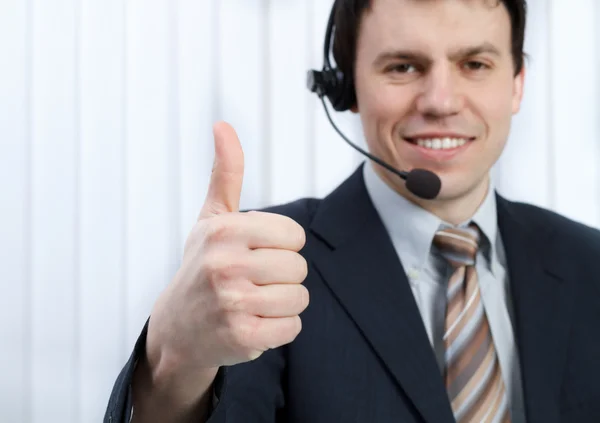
[(225, 186), (261, 334), (270, 230), (277, 301), (277, 332), (270, 266), (256, 230), (260, 267), (237, 294)]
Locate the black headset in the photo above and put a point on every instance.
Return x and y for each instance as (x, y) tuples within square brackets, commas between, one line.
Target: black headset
[(331, 82)]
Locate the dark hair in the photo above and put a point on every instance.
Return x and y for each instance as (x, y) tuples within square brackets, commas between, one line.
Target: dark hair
[(347, 18)]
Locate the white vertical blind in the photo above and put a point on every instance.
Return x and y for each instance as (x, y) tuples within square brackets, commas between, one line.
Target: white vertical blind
[(291, 144), (151, 157), (575, 106), (55, 213), (15, 214), (101, 280), (197, 52), (106, 114)]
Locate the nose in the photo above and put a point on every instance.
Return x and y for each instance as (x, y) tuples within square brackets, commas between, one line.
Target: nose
[(439, 96)]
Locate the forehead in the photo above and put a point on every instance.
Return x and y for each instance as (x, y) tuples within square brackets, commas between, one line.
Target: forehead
[(435, 24)]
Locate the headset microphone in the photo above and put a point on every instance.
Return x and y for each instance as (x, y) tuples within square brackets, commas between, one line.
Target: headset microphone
[(339, 89)]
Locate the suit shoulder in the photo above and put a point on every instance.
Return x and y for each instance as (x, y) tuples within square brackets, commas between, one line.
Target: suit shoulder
[(577, 235)]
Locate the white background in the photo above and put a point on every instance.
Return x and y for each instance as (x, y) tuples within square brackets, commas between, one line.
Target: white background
[(106, 110)]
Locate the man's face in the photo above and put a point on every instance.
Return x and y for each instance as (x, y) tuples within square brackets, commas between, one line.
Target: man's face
[(431, 75)]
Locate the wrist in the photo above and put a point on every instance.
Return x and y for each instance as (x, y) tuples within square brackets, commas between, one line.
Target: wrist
[(180, 385), (163, 385)]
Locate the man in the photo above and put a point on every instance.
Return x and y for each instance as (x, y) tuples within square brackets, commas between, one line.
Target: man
[(467, 307)]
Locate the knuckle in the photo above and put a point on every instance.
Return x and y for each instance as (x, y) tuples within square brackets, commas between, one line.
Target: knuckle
[(246, 332), (233, 323), (218, 230), (211, 268), (219, 267), (230, 297), (230, 323), (227, 271)]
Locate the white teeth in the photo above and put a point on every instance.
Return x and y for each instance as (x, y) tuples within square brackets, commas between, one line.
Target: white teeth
[(441, 143)]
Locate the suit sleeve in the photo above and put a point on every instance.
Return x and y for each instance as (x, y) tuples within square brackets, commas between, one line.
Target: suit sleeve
[(245, 393)]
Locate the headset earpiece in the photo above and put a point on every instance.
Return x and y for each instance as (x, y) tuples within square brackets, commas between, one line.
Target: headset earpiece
[(331, 82)]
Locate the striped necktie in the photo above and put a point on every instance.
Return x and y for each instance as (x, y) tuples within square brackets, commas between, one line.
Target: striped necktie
[(472, 371)]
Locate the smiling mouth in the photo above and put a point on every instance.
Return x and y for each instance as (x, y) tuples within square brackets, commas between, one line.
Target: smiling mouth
[(441, 143)]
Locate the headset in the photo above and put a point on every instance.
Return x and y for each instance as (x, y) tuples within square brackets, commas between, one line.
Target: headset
[(331, 82), (339, 89)]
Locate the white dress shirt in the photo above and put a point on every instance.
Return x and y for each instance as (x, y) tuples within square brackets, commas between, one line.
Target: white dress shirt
[(412, 230)]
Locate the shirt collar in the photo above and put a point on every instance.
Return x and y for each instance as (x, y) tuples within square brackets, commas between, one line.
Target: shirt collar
[(412, 228)]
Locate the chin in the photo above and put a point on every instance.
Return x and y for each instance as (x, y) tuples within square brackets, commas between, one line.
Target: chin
[(454, 187)]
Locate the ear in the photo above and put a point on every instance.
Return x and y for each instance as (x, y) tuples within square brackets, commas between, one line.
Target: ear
[(518, 87)]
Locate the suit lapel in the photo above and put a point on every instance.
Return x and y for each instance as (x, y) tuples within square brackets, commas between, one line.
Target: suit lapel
[(358, 262), (543, 303)]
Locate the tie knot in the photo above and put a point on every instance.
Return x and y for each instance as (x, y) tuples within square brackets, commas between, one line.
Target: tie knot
[(458, 245)]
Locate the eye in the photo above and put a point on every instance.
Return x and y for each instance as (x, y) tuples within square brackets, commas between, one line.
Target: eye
[(475, 65), (402, 68)]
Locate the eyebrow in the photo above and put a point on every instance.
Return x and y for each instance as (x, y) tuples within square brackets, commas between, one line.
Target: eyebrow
[(485, 47)]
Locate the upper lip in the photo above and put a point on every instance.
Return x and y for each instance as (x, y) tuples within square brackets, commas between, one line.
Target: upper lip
[(431, 135)]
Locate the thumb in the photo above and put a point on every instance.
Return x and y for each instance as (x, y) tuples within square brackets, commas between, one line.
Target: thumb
[(225, 186)]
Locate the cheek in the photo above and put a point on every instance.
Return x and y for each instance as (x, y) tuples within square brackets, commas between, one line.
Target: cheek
[(383, 106), (379, 119), (495, 108)]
